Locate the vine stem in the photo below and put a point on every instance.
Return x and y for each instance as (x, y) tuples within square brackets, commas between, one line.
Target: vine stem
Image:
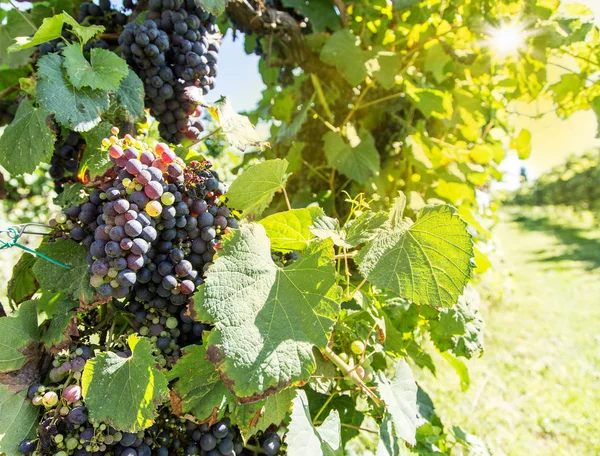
[(356, 105), (35, 29), (325, 121), (319, 90), (380, 100), (322, 409), (345, 255), (214, 132), (343, 13), (9, 90), (351, 374), (356, 289), (287, 200)]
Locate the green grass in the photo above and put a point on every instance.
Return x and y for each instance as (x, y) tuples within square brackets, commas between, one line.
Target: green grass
[(536, 390)]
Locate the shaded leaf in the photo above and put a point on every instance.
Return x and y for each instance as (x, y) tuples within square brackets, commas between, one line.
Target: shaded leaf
[(343, 51), (18, 337), (27, 141), (359, 162), (78, 109), (95, 160), (23, 284), (131, 96), (18, 419)]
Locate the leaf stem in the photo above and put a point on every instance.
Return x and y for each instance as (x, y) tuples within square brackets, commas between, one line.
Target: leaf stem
[(350, 373), (322, 409), (320, 95), (325, 122), (35, 29), (380, 100), (6, 92), (345, 255), (356, 290), (214, 132), (287, 200), (356, 105)]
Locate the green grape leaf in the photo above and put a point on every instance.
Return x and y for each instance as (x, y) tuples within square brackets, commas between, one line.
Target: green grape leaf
[(73, 282), (290, 230), (62, 326), (72, 195), (322, 380), (252, 192), (345, 406), (22, 284), (78, 109), (389, 67), (359, 162), (320, 13), (18, 419), (460, 368), (476, 445), (27, 141), (460, 329), (124, 392), (131, 96), (104, 71), (388, 444), (343, 51), (356, 231), (19, 337), (428, 261), (431, 102), (215, 7), (198, 390), (400, 397), (258, 416), (84, 33), (304, 438), (94, 159), (15, 24), (264, 349), (50, 29), (522, 144)]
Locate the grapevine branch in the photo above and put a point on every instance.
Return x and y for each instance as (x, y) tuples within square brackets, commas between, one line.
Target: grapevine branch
[(351, 373)]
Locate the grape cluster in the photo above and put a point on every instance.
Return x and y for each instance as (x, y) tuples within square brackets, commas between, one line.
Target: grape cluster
[(65, 429), (176, 48), (152, 228), (65, 159)]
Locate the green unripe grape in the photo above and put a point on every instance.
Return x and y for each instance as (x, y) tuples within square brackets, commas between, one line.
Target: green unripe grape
[(61, 218), (37, 400), (79, 352), (77, 375), (117, 437), (167, 198), (144, 331), (112, 273), (96, 281), (344, 357), (103, 195), (114, 284), (41, 389), (56, 363), (61, 453), (102, 427), (59, 438), (357, 347), (171, 323), (64, 411), (368, 376), (72, 443)]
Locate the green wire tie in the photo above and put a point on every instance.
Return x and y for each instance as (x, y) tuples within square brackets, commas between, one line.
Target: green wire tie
[(14, 236)]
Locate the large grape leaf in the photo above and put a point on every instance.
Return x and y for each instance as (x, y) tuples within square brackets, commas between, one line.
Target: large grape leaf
[(124, 391), (50, 29), (94, 159), (198, 389), (19, 337), (73, 282), (131, 96), (254, 189), (359, 162), (343, 51), (267, 319), (18, 419), (215, 7), (388, 444), (290, 230), (304, 438), (400, 397), (104, 71), (428, 261), (22, 284), (28, 140), (83, 32), (78, 109)]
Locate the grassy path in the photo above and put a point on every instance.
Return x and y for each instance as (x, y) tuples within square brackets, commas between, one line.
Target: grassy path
[(536, 391)]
